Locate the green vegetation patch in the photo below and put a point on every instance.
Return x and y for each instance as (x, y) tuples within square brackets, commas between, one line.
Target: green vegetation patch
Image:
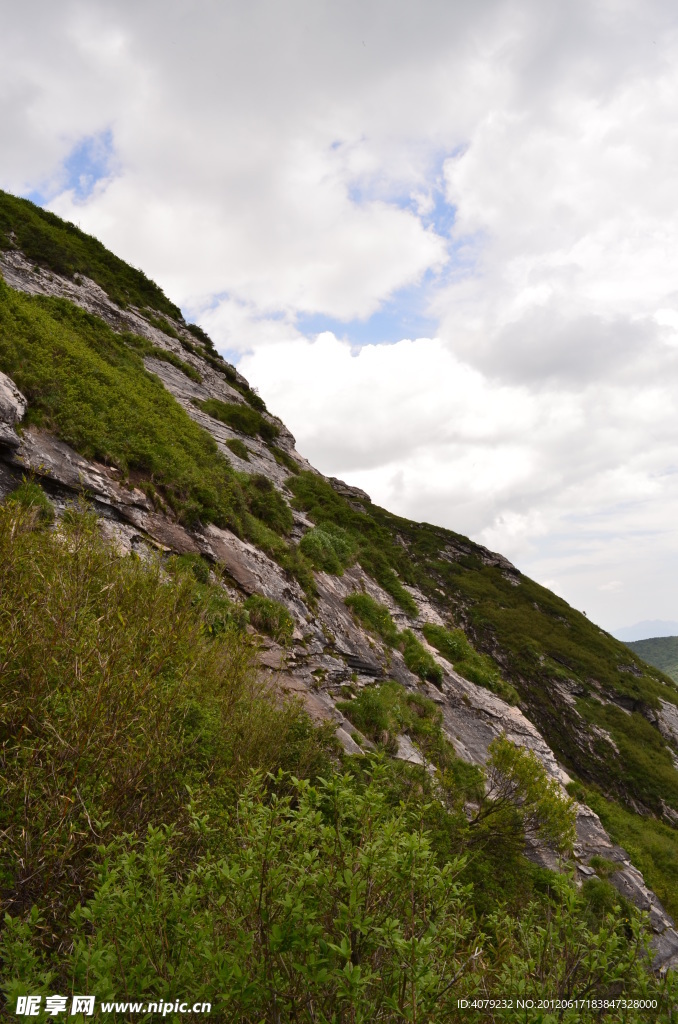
[(63, 248), (270, 617), (374, 616), (240, 417), (163, 325), (329, 548), (377, 619), (478, 668), (267, 503), (170, 825), (659, 651), (643, 756), (283, 459), (418, 659), (83, 381), (652, 845), (148, 689), (239, 449), (332, 897), (384, 710), (146, 348), (377, 550), (30, 496)]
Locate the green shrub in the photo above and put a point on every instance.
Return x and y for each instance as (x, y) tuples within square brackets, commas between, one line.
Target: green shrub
[(418, 659), (127, 868), (202, 336), (162, 325), (384, 710), (30, 496), (332, 897), (478, 668), (377, 550), (239, 449), (195, 564), (267, 503), (522, 801), (240, 417), (283, 459), (329, 548), (374, 616), (270, 617)]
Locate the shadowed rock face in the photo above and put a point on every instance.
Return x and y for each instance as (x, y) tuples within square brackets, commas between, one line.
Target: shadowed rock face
[(329, 646)]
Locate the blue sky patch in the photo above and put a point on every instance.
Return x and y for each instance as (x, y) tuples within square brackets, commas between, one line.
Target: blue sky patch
[(89, 162), (402, 316)]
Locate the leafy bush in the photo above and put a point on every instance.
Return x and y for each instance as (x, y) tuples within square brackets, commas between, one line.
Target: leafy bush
[(30, 496), (202, 336), (127, 869), (267, 503), (329, 548), (163, 325), (270, 617), (195, 564), (374, 616), (418, 659), (240, 417), (283, 459), (239, 449), (378, 552), (478, 668), (330, 897), (522, 800), (384, 710)]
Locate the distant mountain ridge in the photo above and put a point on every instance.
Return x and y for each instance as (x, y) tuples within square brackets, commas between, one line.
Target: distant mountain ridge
[(659, 651), (648, 629)]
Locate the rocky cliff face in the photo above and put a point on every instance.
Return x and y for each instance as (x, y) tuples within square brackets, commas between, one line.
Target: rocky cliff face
[(331, 655)]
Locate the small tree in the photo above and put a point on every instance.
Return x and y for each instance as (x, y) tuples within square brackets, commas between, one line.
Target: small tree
[(522, 802)]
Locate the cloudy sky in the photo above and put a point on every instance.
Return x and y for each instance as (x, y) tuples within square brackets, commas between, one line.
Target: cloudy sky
[(440, 237)]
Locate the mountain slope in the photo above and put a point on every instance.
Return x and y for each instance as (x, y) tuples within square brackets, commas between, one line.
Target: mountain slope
[(660, 652), (105, 389)]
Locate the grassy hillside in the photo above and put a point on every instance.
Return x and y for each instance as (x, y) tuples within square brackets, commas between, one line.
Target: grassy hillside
[(170, 828), (538, 640), (88, 384), (660, 651), (57, 245)]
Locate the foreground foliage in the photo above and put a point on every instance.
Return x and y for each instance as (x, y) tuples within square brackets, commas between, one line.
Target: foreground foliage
[(169, 827)]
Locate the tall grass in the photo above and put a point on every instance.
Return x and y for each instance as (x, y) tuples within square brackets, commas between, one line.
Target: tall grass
[(117, 699)]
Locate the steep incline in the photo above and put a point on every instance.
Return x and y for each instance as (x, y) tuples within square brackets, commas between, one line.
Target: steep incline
[(130, 405)]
